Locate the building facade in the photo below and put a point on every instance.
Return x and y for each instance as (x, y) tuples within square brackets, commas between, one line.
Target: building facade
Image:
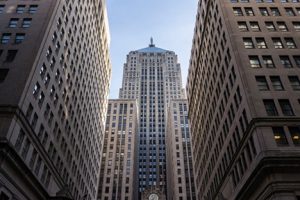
[(118, 175), (243, 91), (180, 178), (152, 76), (54, 83)]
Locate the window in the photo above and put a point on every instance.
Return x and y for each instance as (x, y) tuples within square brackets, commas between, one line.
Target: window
[(277, 43), (279, 136), (289, 12), (19, 38), (5, 38), (254, 26), (248, 43), (261, 43), (297, 60), (282, 27), (276, 83), (262, 83), (2, 8), (3, 74), (275, 12), (270, 26), (242, 26), (20, 9), (20, 140), (264, 11), (268, 61), (296, 26), (237, 12), (290, 43), (13, 23), (254, 62), (249, 12), (270, 107), (26, 22), (285, 61), (295, 82), (11, 54), (32, 9), (3, 196), (295, 134), (286, 107)]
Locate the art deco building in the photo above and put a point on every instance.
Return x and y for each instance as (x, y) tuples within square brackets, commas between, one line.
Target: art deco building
[(243, 91), (152, 76), (180, 178), (118, 175), (54, 81)]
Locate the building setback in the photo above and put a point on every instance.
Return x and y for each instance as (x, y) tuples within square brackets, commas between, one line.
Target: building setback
[(152, 76), (243, 91), (54, 82), (180, 178), (118, 175)]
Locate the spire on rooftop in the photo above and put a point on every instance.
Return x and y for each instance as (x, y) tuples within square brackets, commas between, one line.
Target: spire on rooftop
[(151, 42)]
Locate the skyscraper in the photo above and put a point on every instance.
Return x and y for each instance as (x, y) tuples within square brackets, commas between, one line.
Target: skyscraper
[(152, 76), (243, 91), (180, 177), (118, 175), (54, 81)]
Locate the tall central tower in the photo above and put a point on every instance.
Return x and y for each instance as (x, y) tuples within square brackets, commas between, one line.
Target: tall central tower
[(152, 76)]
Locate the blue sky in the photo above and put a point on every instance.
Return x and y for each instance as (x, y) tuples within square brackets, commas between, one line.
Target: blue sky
[(133, 22)]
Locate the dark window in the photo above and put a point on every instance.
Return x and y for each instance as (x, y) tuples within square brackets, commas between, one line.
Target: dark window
[(295, 134), (276, 83), (26, 22), (286, 107), (3, 74), (295, 82), (279, 136), (262, 83), (20, 9), (270, 107), (3, 196), (11, 54), (32, 9), (19, 38)]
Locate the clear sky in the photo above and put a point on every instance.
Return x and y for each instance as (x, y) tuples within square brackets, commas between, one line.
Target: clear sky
[(133, 22)]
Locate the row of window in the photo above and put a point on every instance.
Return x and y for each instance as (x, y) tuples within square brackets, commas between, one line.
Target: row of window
[(14, 22), (270, 26), (273, 11), (20, 9), (281, 138), (6, 38), (277, 42), (284, 104), (276, 83), (268, 62)]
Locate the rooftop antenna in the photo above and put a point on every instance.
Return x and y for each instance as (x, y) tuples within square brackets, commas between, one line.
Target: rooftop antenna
[(151, 42)]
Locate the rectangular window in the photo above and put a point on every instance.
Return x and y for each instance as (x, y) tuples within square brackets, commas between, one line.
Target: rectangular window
[(3, 74), (13, 23), (20, 9), (276, 83), (285, 61), (295, 134), (242, 26), (237, 12), (254, 26), (26, 22), (290, 43), (19, 38), (264, 11), (286, 107), (297, 60), (2, 8), (277, 43), (11, 54), (261, 43), (32, 9), (254, 62), (270, 107), (295, 82), (270, 26), (248, 43), (279, 136), (5, 38), (262, 83), (268, 61)]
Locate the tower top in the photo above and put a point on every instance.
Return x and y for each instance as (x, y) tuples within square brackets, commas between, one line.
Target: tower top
[(151, 42)]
